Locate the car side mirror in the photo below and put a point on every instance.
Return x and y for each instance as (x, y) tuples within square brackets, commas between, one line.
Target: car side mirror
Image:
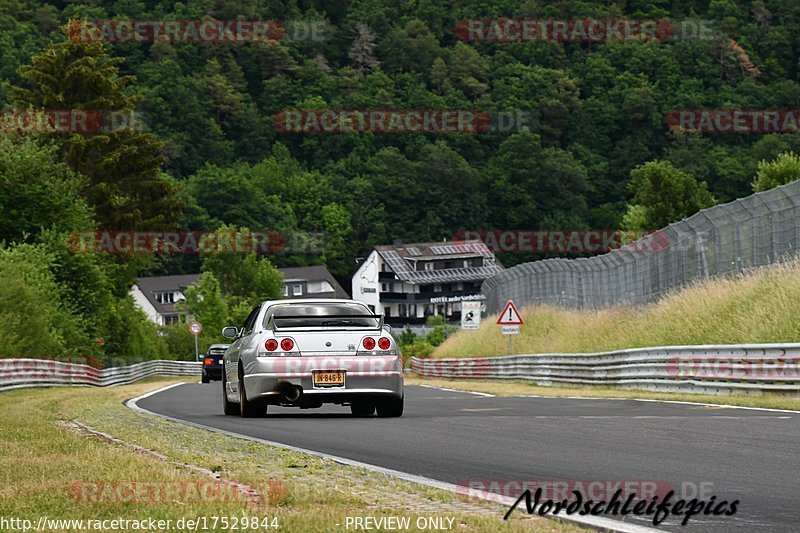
[(201, 357), (387, 328), (230, 332)]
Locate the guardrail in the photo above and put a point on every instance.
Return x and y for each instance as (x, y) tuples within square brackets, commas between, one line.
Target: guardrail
[(20, 372), (717, 369)]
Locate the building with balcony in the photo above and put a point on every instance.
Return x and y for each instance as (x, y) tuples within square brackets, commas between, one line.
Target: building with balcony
[(409, 282)]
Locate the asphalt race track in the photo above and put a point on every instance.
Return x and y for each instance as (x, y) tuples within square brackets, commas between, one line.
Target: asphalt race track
[(749, 455)]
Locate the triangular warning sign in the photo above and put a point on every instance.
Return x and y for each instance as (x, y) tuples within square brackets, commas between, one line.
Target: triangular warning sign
[(510, 316)]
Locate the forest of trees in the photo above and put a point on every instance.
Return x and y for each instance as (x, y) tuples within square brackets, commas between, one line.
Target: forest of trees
[(598, 153)]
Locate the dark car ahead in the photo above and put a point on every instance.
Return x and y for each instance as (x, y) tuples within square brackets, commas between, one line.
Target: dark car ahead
[(212, 362)]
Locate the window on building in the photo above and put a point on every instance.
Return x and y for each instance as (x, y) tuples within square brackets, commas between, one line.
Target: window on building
[(401, 310), (297, 290), (171, 319), (165, 297), (384, 287), (429, 265), (466, 263), (387, 311), (286, 290), (437, 287)]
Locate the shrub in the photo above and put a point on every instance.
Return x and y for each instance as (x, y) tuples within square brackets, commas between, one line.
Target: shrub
[(434, 320), (784, 169)]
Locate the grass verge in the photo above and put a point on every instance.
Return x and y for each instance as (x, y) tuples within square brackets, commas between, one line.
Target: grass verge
[(525, 388), (759, 307), (51, 469)]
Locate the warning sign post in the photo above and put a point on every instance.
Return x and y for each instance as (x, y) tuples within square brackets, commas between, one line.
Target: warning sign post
[(510, 320)]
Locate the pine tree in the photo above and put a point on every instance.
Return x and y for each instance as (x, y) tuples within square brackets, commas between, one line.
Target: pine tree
[(122, 163), (362, 51)]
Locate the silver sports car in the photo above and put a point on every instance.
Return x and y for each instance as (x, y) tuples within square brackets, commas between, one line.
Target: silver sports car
[(304, 353)]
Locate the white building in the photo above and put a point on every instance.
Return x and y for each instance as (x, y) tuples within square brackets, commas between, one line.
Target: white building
[(158, 295), (408, 282)]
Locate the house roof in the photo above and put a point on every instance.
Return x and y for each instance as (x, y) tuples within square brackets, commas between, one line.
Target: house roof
[(402, 259), (315, 273), (155, 284)]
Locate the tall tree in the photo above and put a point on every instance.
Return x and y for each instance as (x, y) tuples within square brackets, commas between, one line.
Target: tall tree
[(663, 194), (122, 163), (37, 192), (362, 51)]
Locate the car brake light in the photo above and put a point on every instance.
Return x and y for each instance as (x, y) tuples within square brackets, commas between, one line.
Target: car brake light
[(208, 361), (384, 343), (287, 345), (368, 343), (271, 345)]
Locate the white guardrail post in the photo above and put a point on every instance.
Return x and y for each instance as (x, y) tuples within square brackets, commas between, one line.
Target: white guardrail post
[(716, 369), (19, 372)]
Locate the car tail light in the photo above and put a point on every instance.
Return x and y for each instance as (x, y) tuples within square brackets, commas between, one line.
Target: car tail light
[(384, 343), (287, 345), (368, 343), (271, 345), (208, 361)]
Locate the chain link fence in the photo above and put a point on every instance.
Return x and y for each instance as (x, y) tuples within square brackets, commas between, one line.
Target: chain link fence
[(748, 233)]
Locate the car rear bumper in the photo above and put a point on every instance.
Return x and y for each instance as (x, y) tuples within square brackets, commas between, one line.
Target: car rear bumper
[(213, 372), (363, 376)]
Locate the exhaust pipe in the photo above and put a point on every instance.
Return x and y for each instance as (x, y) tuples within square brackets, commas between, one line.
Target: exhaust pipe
[(291, 393)]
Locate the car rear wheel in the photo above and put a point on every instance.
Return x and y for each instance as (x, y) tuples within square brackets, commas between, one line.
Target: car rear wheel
[(249, 408), (362, 407), (390, 407), (228, 407), (205, 379)]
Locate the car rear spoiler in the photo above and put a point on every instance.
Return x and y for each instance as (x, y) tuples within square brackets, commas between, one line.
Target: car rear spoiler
[(272, 324)]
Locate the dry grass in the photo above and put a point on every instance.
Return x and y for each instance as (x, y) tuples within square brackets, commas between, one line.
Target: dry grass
[(43, 457), (763, 306)]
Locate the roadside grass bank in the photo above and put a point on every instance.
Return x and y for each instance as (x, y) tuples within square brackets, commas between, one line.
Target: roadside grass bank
[(51, 468), (758, 307), (526, 388)]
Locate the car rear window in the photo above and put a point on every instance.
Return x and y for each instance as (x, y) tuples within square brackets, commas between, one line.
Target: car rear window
[(320, 315)]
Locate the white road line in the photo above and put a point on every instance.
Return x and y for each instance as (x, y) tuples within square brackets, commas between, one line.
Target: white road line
[(456, 390), (719, 405), (664, 417), (597, 522)]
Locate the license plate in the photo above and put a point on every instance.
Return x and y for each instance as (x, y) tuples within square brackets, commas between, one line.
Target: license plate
[(332, 378), (220, 361)]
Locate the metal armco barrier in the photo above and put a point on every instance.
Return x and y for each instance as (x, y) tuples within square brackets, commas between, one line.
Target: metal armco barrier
[(18, 373), (716, 369)]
